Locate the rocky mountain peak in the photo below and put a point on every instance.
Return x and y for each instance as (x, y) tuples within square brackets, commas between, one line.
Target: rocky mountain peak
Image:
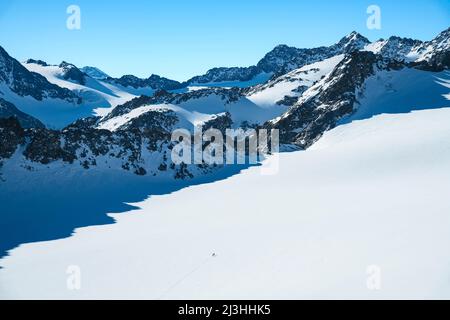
[(39, 62), (442, 41), (71, 72), (353, 41), (224, 74), (95, 73), (154, 81)]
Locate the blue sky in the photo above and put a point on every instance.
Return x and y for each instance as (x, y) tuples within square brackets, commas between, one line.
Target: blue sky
[(181, 38)]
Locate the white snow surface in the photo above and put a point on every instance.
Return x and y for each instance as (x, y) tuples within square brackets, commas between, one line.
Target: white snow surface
[(259, 106), (196, 111), (372, 192), (99, 97), (402, 91), (54, 113), (269, 94), (187, 119)]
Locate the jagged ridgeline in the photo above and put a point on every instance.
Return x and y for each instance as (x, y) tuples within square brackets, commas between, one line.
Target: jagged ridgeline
[(300, 92)]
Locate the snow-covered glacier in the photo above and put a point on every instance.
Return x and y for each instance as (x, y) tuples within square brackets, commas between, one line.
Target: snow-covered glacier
[(370, 193)]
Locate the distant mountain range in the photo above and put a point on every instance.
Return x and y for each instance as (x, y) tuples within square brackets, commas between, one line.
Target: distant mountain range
[(94, 120)]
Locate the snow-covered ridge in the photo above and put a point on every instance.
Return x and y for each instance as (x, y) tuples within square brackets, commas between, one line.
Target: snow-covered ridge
[(279, 61), (255, 105), (194, 108), (293, 84), (361, 85), (410, 50), (95, 73), (186, 119), (96, 93), (154, 82)]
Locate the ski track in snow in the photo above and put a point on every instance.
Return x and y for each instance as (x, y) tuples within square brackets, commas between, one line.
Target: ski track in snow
[(370, 192)]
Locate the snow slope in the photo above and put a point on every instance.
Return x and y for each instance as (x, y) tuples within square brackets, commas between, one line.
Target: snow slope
[(370, 193), (269, 94), (259, 105), (197, 110), (410, 50), (54, 113), (98, 98), (98, 95), (187, 119), (402, 91)]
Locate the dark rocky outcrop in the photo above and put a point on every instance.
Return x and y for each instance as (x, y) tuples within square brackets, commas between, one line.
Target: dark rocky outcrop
[(154, 81), (334, 98), (11, 136), (72, 73), (39, 62), (281, 60)]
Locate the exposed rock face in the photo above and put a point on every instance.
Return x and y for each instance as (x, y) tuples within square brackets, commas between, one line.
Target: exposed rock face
[(95, 73), (142, 143), (142, 146), (327, 102), (435, 55), (165, 97), (289, 100), (154, 81), (226, 74), (11, 136), (72, 73), (26, 83), (227, 95), (8, 110), (334, 97), (440, 61), (160, 97), (154, 126), (39, 62), (83, 146), (281, 60), (429, 55), (398, 48), (221, 123)]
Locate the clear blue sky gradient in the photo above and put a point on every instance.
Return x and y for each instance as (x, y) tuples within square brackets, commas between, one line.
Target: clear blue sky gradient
[(181, 38)]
